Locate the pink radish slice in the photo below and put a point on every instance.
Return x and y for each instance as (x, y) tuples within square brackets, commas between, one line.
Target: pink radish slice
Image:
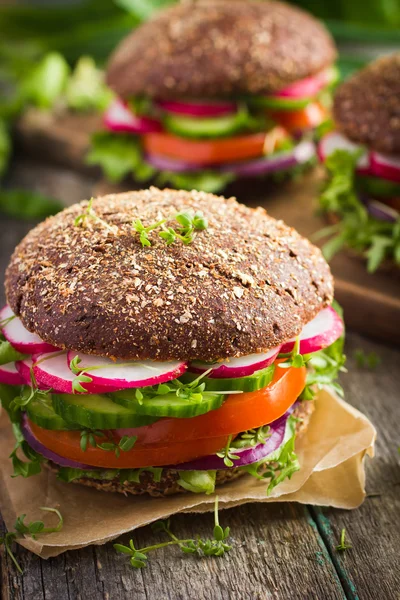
[(319, 333), (336, 141), (20, 338), (52, 371), (385, 166), (119, 118), (121, 374), (236, 367), (308, 87), (197, 108), (10, 375)]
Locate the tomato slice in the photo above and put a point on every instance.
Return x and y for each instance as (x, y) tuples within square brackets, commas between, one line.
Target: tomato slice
[(67, 444), (172, 441), (308, 117), (208, 152)]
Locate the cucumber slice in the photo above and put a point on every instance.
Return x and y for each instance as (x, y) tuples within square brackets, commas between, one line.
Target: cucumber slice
[(167, 405), (275, 103), (250, 383), (42, 413), (205, 127), (378, 187), (97, 412)]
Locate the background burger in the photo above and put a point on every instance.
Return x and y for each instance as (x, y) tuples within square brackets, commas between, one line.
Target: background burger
[(362, 157), (164, 341), (211, 91)]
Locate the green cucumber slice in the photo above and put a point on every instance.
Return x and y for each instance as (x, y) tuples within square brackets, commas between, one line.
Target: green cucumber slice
[(250, 383), (205, 127), (377, 187), (167, 405), (42, 413), (97, 412), (275, 103)]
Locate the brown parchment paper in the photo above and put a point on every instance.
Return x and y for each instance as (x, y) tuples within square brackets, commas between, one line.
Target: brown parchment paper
[(331, 454)]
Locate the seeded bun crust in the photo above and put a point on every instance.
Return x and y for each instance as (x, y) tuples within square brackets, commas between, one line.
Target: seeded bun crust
[(245, 284), (168, 484), (367, 106), (214, 48)]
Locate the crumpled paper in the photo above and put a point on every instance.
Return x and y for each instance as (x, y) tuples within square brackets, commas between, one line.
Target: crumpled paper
[(331, 454)]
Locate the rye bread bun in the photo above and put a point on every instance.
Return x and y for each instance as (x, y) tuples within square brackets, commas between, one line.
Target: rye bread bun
[(367, 106), (168, 484), (245, 284), (214, 48)]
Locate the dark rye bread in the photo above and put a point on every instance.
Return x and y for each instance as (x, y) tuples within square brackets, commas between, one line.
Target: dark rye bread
[(367, 106), (214, 48), (245, 284), (168, 484)]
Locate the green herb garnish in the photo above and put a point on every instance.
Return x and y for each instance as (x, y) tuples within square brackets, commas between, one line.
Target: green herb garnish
[(90, 214), (228, 454), (217, 546), (33, 529), (188, 223)]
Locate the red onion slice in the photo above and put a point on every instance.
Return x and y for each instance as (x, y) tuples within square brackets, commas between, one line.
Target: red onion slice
[(48, 454)]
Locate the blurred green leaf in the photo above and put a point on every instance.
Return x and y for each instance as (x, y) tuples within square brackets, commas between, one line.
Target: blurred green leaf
[(5, 147), (86, 89), (25, 204), (46, 83), (143, 9)]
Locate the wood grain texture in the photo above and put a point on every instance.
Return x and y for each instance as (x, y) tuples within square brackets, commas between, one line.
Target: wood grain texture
[(282, 551)]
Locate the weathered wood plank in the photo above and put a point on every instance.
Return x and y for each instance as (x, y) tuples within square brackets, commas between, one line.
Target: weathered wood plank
[(278, 553), (372, 565)]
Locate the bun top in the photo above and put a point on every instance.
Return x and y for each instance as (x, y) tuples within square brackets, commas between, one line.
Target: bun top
[(245, 284), (215, 48), (367, 106)]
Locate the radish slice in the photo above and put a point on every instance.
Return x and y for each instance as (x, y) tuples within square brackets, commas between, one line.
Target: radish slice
[(20, 338), (308, 87), (385, 166), (24, 369), (319, 333), (52, 370), (119, 118), (236, 367), (197, 108), (121, 374), (336, 141), (10, 375)]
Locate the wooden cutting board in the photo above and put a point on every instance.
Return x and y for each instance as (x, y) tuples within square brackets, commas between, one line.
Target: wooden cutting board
[(371, 302)]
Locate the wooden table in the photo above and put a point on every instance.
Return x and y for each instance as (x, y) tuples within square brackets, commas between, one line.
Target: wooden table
[(280, 550)]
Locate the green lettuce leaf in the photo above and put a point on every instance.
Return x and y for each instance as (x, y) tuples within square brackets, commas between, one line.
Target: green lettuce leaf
[(118, 156), (27, 204), (68, 474), (86, 90), (8, 353), (198, 482), (47, 81), (377, 240)]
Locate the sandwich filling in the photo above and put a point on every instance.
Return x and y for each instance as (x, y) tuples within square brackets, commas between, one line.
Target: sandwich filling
[(205, 144), (97, 419), (363, 193)]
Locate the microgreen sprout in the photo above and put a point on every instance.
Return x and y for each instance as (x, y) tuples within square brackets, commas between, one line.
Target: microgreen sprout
[(188, 222), (32, 529), (90, 214), (295, 359), (30, 394), (227, 454), (343, 544), (81, 376), (217, 546), (6, 321), (252, 437), (88, 436)]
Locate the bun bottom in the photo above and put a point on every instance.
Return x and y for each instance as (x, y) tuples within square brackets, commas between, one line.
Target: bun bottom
[(168, 484)]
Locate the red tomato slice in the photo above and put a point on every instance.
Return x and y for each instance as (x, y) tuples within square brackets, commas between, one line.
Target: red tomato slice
[(208, 152), (172, 441), (306, 118)]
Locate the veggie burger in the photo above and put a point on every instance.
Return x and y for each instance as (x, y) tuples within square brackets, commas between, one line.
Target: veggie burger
[(362, 156), (216, 90), (164, 341)]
